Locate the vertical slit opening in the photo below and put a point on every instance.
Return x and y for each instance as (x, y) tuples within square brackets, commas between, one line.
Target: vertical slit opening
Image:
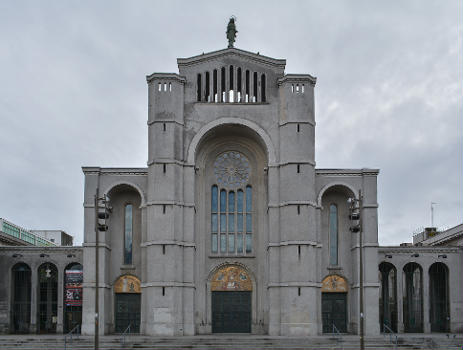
[(163, 291), (163, 126), (302, 88), (222, 83), (214, 85), (170, 87), (299, 251), (298, 210), (262, 88), (298, 128), (198, 88), (163, 249), (164, 168), (165, 86), (163, 208), (292, 88), (208, 92), (298, 168), (159, 86), (239, 85), (254, 97), (299, 291), (247, 87)]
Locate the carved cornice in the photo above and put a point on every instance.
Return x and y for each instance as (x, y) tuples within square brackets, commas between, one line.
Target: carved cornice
[(297, 78), (165, 76), (190, 61), (347, 172), (418, 249)]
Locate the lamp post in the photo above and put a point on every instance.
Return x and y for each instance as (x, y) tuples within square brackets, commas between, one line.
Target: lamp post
[(101, 213), (96, 270), (356, 213)]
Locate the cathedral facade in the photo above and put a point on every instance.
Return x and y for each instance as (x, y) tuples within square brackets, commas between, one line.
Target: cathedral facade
[(231, 227)]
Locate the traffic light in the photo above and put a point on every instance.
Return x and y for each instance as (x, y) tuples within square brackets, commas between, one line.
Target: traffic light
[(103, 210), (354, 215)]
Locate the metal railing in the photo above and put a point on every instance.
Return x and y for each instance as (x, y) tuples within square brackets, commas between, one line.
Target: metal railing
[(393, 338), (124, 335), (336, 333), (75, 330)]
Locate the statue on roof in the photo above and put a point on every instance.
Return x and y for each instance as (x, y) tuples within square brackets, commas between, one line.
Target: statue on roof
[(231, 31)]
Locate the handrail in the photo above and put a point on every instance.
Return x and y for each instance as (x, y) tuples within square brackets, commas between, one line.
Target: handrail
[(334, 331), (69, 334), (388, 329), (127, 330)]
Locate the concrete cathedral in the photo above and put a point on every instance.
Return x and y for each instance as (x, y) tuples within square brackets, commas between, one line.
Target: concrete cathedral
[(231, 228)]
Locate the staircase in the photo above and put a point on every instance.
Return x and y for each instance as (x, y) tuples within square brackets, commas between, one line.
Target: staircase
[(230, 342)]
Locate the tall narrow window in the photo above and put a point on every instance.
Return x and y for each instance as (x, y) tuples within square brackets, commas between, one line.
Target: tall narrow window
[(239, 85), (223, 221), (239, 223), (128, 234), (247, 87), (248, 219), (333, 234), (262, 88), (231, 93), (198, 88), (254, 81), (231, 222), (208, 89), (214, 219), (222, 83), (214, 85)]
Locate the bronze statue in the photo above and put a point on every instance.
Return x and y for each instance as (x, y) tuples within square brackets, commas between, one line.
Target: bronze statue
[(231, 32)]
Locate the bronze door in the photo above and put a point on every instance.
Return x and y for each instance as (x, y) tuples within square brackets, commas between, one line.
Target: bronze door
[(231, 312)]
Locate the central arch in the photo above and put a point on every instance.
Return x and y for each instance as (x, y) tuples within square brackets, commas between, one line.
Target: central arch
[(191, 155)]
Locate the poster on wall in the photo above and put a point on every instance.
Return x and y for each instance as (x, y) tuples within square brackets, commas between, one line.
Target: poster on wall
[(73, 288)]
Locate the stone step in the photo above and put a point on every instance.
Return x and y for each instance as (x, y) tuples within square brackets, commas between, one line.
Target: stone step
[(348, 342)]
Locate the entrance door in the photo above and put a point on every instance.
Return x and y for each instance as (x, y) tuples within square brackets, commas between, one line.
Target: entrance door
[(127, 312), (231, 312), (334, 311)]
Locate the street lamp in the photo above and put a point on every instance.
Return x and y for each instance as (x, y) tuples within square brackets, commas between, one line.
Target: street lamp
[(355, 217), (102, 210)]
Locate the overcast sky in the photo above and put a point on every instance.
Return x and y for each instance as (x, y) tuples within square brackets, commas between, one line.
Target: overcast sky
[(388, 95)]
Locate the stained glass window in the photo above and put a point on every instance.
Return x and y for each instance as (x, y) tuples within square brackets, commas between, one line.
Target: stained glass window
[(231, 205), (333, 234), (128, 234)]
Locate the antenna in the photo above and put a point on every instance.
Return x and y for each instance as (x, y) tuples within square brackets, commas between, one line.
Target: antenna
[(432, 213)]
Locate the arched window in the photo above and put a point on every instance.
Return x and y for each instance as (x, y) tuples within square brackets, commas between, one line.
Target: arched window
[(439, 297), (47, 298), (231, 206), (413, 298), (128, 233), (254, 83), (387, 297), (72, 305), (333, 234), (21, 301)]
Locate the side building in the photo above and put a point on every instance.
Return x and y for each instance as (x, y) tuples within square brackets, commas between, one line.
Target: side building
[(41, 291)]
